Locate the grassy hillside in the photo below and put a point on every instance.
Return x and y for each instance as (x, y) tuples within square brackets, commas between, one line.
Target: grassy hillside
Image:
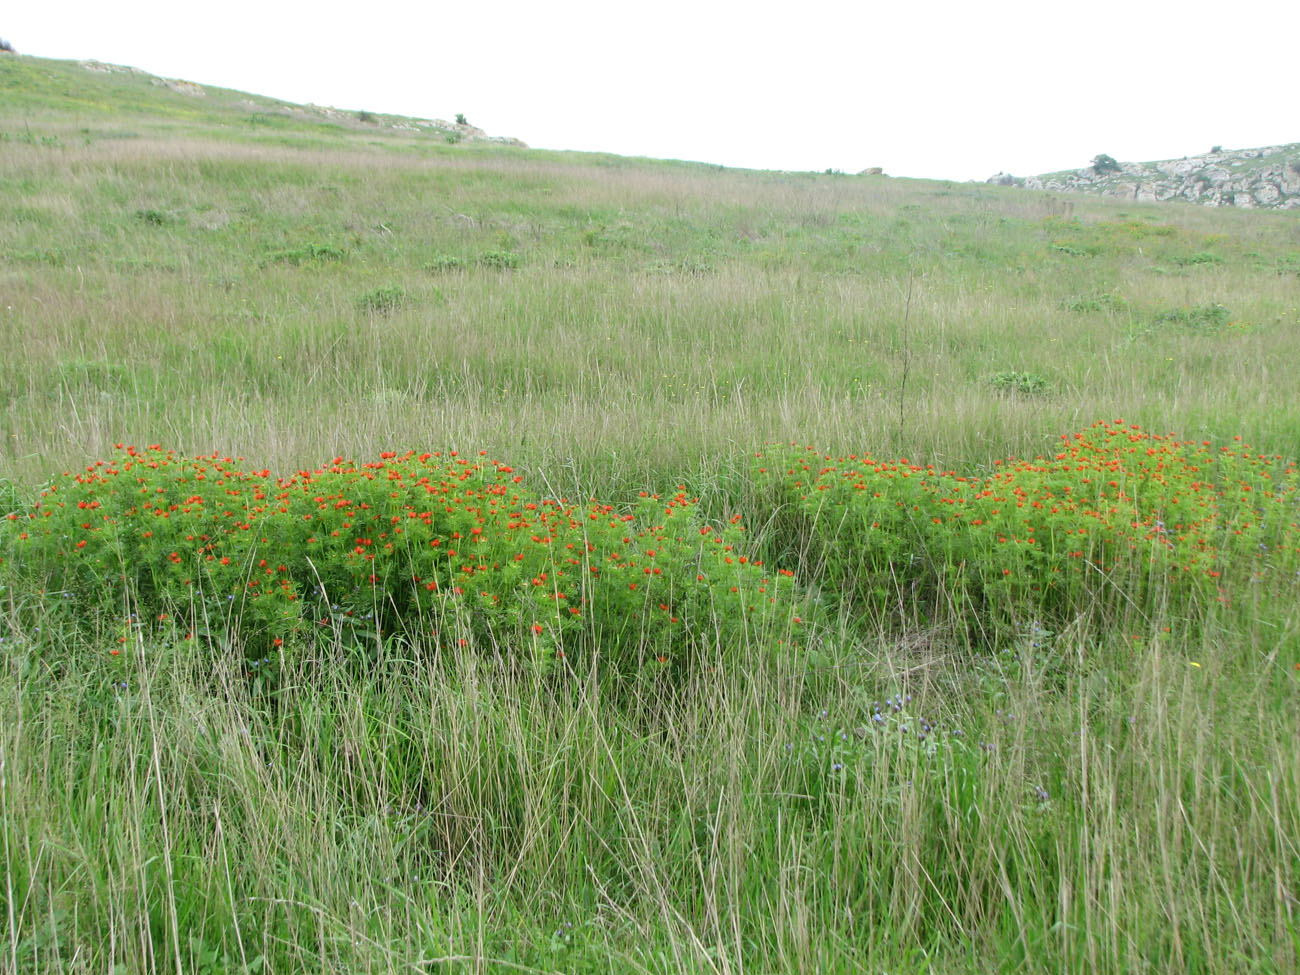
[(946, 743)]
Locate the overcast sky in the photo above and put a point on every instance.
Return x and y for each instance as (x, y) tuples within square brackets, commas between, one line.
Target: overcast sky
[(956, 90)]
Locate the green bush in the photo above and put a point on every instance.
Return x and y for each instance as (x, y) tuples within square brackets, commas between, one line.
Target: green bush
[(1020, 382), (446, 262), (1199, 258), (1094, 303), (445, 549), (156, 218), (1118, 521), (384, 299), (1201, 318), (500, 260), (310, 253), (1103, 163)]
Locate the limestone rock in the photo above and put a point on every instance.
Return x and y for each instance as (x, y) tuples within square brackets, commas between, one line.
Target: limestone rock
[(1264, 177), (181, 87)]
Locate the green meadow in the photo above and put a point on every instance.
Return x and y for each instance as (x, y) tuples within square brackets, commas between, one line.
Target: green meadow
[(426, 556)]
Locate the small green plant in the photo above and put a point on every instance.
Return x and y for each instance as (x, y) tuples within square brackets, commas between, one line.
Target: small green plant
[(445, 263), (310, 253), (1075, 250), (364, 116), (460, 119), (1201, 318), (156, 218), (1200, 258), (1093, 303), (500, 260), (693, 267), (1028, 383), (386, 298)]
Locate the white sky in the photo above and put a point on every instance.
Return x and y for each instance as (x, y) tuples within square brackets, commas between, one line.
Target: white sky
[(938, 89)]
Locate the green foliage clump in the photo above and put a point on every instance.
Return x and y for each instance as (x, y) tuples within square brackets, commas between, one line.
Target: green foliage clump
[(1076, 250), (386, 298), (446, 262), (1094, 303), (1199, 258), (310, 253), (445, 549), (1118, 520), (499, 260), (156, 218), (1103, 163), (1197, 319), (1029, 383)]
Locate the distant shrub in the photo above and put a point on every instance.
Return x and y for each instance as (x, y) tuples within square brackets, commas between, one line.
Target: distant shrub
[(1020, 382), (460, 119), (6, 47), (689, 266), (446, 262), (1215, 149), (1200, 257), (155, 218), (501, 260), (387, 298), (1105, 164), (307, 254), (1075, 249), (1087, 303), (364, 116), (1201, 318)]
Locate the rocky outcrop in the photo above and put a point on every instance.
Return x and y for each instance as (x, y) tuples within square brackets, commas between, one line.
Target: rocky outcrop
[(181, 87), (1265, 178)]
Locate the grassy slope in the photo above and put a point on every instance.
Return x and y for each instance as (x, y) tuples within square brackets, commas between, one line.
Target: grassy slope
[(209, 275)]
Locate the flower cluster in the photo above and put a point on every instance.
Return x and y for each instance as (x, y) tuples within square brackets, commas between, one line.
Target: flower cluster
[(455, 549), (1117, 516)]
